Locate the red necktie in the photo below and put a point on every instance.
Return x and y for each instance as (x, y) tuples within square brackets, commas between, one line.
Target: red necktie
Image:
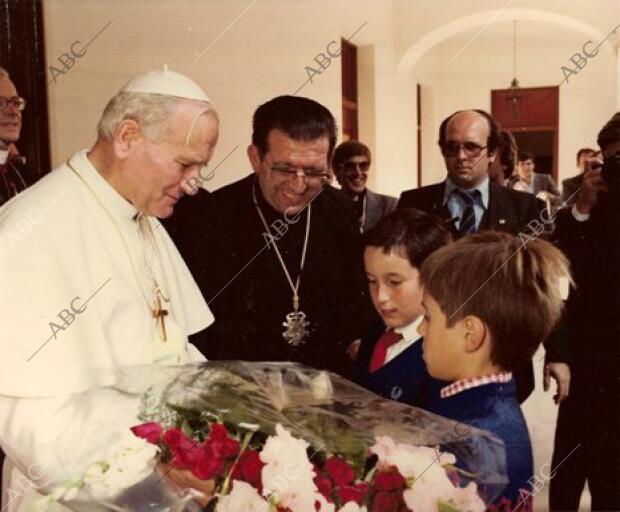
[(379, 354)]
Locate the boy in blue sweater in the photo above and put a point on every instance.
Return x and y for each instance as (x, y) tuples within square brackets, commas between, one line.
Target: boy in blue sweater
[(489, 301), (389, 360)]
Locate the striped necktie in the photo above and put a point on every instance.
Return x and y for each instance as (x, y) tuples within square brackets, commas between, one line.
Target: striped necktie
[(468, 220)]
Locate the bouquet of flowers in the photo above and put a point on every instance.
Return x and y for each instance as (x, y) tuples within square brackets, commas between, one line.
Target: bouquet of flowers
[(281, 437)]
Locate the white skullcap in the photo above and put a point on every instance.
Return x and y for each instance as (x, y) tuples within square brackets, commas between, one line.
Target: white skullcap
[(167, 83)]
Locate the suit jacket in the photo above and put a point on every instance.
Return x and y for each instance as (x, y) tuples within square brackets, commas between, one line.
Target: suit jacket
[(592, 311), (570, 186), (222, 239), (377, 207), (508, 211), (542, 183)]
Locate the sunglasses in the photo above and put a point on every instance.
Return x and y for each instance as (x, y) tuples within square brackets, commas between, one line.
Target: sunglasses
[(352, 167)]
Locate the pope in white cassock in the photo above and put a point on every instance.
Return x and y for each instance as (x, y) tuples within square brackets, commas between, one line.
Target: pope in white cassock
[(90, 281)]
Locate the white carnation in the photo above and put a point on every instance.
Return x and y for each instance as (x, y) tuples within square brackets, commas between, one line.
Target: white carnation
[(242, 497)]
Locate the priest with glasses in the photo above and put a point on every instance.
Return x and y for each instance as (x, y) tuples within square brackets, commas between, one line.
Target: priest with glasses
[(277, 254)]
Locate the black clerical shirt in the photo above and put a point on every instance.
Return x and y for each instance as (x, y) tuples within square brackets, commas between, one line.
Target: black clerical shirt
[(224, 244)]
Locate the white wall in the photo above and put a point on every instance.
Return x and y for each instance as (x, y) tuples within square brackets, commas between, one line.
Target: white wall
[(257, 49), (587, 100), (260, 55)]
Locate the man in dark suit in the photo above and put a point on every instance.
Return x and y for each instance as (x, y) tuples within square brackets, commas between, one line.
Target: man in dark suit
[(351, 164), (571, 186), (470, 202), (587, 438)]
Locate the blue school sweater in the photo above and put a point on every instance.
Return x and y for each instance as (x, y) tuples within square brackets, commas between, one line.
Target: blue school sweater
[(494, 407), (404, 378)]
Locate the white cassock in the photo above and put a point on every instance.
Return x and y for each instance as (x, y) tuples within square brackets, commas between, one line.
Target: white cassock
[(76, 276)]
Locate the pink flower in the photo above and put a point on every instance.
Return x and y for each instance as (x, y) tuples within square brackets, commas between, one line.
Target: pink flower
[(150, 431)]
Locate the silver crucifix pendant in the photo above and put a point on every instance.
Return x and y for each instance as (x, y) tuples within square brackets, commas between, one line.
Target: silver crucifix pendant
[(296, 328)]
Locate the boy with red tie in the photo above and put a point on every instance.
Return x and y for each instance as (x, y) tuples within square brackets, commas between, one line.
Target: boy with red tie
[(390, 357)]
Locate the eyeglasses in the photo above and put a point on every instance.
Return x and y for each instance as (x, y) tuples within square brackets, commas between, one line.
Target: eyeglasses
[(16, 101), (310, 175), (471, 149), (352, 167)]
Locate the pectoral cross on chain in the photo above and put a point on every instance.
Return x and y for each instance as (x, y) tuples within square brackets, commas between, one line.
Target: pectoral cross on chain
[(159, 313)]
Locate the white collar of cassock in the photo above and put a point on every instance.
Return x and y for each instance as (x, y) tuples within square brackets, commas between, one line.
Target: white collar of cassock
[(116, 204)]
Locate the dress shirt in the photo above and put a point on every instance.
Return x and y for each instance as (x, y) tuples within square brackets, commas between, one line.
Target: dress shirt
[(410, 335), (456, 204)]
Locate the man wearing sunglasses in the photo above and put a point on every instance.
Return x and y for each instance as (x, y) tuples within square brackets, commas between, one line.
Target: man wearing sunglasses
[(351, 164), (14, 176), (276, 254), (470, 202)]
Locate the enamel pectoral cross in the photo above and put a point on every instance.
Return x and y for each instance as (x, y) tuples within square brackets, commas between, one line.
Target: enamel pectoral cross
[(159, 313)]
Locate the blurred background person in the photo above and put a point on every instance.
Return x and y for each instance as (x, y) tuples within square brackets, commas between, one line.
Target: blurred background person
[(504, 165), (14, 175), (541, 185), (571, 186), (351, 163)]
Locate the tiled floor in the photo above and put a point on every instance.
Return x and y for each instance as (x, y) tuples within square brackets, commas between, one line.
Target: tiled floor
[(540, 413)]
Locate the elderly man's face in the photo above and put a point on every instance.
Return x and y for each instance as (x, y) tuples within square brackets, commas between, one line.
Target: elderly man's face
[(10, 116), (467, 159), (292, 172), (161, 171)]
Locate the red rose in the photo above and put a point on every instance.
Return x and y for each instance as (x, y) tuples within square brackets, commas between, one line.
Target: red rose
[(150, 431), (339, 471), (222, 443), (386, 502), (388, 481), (356, 492), (324, 485), (248, 468), (207, 465), (184, 450)]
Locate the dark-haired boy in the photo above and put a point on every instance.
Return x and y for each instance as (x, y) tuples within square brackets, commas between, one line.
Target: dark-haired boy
[(489, 301), (390, 357)]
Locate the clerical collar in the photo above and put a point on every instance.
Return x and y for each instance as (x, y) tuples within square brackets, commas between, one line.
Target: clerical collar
[(482, 187), (461, 385), (356, 196), (4, 156), (119, 206)]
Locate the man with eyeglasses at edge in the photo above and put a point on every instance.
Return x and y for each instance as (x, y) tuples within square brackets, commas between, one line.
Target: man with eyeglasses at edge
[(14, 175), (351, 164), (470, 202), (277, 254)]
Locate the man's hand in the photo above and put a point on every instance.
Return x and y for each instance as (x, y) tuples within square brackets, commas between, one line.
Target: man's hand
[(592, 185), (184, 479), (561, 374)]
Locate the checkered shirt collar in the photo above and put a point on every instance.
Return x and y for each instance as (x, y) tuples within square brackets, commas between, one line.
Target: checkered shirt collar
[(461, 385)]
